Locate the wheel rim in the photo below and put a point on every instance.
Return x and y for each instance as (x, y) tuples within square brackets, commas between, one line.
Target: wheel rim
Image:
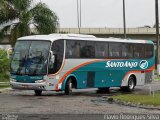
[(131, 84)]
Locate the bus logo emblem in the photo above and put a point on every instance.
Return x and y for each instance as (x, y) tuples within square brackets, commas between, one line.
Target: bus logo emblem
[(143, 64)]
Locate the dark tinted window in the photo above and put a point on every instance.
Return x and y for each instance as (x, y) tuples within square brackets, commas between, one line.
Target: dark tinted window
[(73, 48), (58, 50), (101, 49), (88, 51), (149, 51), (139, 51), (127, 50), (114, 50), (91, 49), (80, 49)]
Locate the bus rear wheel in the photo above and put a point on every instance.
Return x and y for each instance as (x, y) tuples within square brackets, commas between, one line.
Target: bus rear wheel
[(68, 87), (38, 92), (131, 85)]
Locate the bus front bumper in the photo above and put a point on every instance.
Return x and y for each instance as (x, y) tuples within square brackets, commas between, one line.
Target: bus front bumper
[(28, 86)]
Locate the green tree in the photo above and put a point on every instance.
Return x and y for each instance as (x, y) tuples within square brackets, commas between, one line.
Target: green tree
[(21, 18)]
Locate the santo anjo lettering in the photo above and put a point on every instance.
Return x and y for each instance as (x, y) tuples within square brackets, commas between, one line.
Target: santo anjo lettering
[(122, 64)]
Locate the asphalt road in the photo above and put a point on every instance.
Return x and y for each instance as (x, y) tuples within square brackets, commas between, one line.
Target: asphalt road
[(82, 102)]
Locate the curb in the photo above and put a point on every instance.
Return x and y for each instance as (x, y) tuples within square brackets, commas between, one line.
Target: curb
[(5, 89), (129, 104), (4, 82)]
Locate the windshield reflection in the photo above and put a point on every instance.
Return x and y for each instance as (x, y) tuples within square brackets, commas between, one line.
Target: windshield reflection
[(30, 58)]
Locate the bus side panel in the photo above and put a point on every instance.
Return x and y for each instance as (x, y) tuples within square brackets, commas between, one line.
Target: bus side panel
[(140, 78), (109, 78), (100, 79), (114, 77), (106, 73), (81, 79)]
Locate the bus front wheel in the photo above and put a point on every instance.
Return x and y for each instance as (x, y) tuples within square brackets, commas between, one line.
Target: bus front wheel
[(38, 92), (68, 87)]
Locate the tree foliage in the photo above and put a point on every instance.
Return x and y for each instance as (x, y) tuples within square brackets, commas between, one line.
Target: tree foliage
[(22, 18)]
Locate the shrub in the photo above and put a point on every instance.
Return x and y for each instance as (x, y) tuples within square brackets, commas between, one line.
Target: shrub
[(4, 62), (4, 77)]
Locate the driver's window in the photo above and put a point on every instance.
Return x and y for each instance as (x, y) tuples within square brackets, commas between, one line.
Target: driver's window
[(58, 52)]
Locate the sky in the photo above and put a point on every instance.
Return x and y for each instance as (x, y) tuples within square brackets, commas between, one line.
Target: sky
[(104, 13)]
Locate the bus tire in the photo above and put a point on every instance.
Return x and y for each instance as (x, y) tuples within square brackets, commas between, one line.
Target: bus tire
[(38, 92), (131, 85), (68, 87)]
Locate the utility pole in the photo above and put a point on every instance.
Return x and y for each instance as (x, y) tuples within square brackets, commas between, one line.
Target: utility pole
[(80, 13), (78, 22), (124, 19), (157, 36)]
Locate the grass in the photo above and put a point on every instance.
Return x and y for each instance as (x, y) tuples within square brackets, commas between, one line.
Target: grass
[(4, 86), (157, 78), (140, 99)]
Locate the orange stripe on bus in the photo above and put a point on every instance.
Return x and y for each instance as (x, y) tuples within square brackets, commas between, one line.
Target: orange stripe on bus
[(64, 61), (86, 63), (73, 69), (138, 71)]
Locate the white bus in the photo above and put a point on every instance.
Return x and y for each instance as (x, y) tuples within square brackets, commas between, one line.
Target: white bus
[(60, 62)]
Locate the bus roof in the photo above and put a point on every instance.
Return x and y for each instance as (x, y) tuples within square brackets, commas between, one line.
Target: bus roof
[(53, 37)]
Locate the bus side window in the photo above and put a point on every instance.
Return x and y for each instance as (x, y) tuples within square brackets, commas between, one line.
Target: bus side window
[(88, 51), (77, 49), (138, 51), (124, 51), (58, 49), (114, 50), (73, 49), (149, 51), (69, 50), (127, 51), (101, 50)]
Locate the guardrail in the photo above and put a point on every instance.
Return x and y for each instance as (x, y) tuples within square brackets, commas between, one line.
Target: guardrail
[(108, 30)]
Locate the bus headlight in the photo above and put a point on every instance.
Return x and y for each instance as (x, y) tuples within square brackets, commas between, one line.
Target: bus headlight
[(39, 81)]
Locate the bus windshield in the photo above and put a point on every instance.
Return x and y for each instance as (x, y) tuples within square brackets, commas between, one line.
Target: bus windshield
[(30, 58)]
